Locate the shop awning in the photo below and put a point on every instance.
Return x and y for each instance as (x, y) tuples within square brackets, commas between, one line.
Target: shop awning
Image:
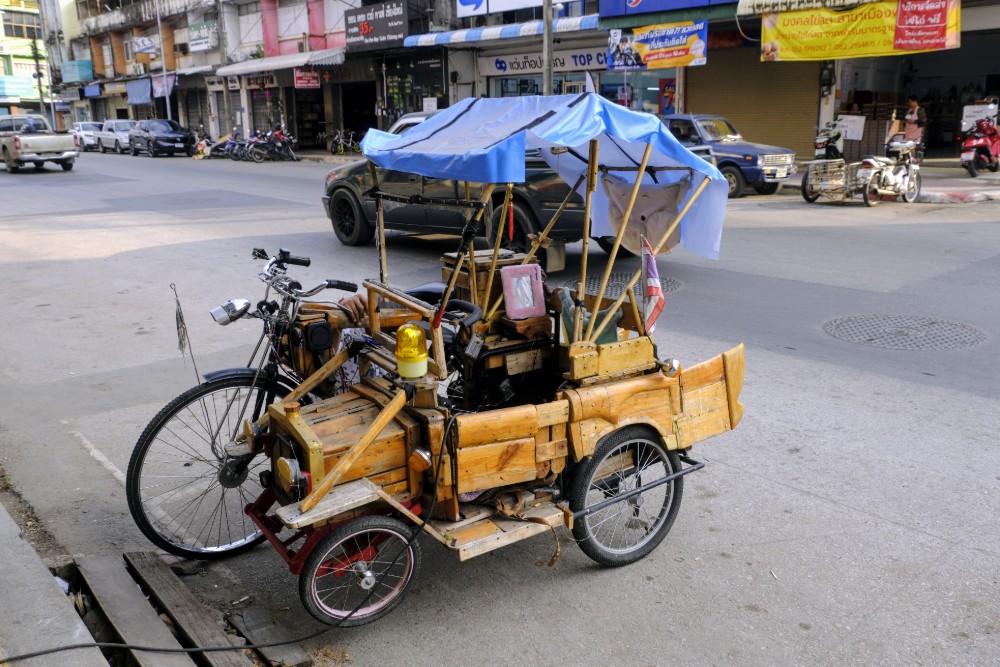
[(188, 71), (255, 65), (751, 7), (529, 29), (138, 92)]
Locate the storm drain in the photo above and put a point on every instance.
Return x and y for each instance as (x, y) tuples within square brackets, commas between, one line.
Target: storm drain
[(900, 332), (617, 283)]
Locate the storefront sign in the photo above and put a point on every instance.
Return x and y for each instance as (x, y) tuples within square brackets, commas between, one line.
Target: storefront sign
[(658, 46), (628, 7), (163, 85), (668, 96), (74, 71), (531, 63), (202, 36), (889, 28), (379, 26), (306, 78), (216, 83), (260, 81), (17, 86), (71, 94), (144, 44), (114, 88), (973, 112), (853, 127)]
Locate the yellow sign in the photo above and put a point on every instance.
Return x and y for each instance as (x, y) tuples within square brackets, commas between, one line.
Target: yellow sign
[(891, 28)]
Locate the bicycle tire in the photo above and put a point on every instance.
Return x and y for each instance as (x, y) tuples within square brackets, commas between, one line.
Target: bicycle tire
[(197, 516)]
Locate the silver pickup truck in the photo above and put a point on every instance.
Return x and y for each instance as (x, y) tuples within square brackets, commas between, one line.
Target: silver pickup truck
[(28, 139)]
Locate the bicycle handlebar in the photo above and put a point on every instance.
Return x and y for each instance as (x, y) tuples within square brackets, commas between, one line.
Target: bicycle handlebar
[(275, 276)]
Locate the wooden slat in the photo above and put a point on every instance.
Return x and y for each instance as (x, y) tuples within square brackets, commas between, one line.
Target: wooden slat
[(260, 627), (129, 612), (344, 497), (192, 619), (499, 464), (509, 531)]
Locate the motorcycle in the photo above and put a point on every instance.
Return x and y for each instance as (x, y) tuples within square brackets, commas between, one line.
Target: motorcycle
[(981, 147), (829, 143), (885, 176)]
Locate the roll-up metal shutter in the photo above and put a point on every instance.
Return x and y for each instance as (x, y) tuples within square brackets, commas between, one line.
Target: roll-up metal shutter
[(196, 108), (773, 103)]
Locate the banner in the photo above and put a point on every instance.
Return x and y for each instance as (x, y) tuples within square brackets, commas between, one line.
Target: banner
[(889, 28), (658, 46)]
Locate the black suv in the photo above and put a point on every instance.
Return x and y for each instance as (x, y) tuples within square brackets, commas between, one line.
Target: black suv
[(160, 137)]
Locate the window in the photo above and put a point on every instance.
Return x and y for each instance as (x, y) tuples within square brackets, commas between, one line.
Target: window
[(249, 9), (22, 24), (6, 125)]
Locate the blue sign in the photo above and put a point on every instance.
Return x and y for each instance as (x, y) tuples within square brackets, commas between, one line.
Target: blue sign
[(609, 8), (75, 71), (17, 86)]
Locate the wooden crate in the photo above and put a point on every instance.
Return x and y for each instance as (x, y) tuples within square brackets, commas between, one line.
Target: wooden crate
[(484, 258)]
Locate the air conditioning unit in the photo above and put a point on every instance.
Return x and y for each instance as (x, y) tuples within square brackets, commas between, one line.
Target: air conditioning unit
[(136, 69)]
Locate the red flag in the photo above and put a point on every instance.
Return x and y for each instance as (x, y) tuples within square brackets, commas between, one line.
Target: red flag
[(653, 298)]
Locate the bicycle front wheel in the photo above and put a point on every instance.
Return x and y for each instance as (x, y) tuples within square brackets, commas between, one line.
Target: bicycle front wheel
[(180, 491)]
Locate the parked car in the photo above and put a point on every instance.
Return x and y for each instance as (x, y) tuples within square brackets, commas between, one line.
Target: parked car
[(743, 163), (114, 135), (86, 132), (353, 216), (29, 139), (160, 137)]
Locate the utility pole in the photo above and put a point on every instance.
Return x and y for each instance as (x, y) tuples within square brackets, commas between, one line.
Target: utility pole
[(48, 61), (163, 61), (227, 107), (547, 47), (37, 57)]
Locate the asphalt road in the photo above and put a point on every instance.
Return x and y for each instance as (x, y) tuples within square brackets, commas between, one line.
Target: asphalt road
[(850, 519)]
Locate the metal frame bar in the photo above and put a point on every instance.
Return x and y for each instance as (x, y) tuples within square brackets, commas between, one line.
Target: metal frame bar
[(692, 467)]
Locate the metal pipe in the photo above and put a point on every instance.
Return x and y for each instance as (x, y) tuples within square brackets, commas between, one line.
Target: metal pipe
[(696, 465), (163, 61)]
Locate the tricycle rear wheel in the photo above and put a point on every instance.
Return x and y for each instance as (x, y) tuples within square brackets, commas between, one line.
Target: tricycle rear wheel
[(628, 531), (808, 193), (367, 564)]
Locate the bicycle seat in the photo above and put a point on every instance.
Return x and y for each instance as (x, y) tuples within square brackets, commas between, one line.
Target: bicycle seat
[(429, 292)]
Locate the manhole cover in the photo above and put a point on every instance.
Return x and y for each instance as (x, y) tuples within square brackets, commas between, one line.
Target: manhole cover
[(618, 281), (899, 332)]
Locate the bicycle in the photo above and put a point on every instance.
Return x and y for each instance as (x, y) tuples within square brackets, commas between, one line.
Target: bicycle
[(183, 490), (343, 140)]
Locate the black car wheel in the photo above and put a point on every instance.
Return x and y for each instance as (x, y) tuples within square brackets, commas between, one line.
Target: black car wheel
[(524, 225), (608, 242), (735, 178), (133, 149), (100, 147), (348, 221), (152, 151), (118, 148)]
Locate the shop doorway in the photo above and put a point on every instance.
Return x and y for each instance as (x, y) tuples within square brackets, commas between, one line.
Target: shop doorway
[(358, 100), (307, 117)]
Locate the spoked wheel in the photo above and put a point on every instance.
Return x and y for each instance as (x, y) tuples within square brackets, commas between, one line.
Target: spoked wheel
[(870, 192), (912, 189), (624, 532), (181, 492), (367, 564), (808, 193)]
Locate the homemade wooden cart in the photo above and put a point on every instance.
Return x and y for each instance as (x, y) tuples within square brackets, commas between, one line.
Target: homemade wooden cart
[(534, 408)]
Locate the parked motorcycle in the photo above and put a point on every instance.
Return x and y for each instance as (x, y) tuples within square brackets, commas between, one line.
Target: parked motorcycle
[(885, 176), (829, 143), (981, 147)]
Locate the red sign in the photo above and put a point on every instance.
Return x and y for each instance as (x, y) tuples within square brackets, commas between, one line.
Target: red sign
[(921, 25), (306, 78)]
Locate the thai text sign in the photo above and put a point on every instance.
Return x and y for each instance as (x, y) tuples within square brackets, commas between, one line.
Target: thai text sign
[(306, 78), (203, 36), (658, 46), (894, 27), (376, 26)]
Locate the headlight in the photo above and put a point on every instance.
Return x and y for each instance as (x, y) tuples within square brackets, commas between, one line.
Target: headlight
[(230, 311)]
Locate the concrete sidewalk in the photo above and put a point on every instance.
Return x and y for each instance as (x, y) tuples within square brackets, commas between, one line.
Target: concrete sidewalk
[(34, 612)]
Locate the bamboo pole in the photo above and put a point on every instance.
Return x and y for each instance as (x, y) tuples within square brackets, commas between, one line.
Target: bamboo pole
[(659, 246), (383, 269), (474, 297), (537, 243), (620, 234), (436, 322), (351, 456), (581, 286), (501, 224)]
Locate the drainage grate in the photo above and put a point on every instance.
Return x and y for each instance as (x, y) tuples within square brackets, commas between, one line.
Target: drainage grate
[(618, 281), (899, 332)]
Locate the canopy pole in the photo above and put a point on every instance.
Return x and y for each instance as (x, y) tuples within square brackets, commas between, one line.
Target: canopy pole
[(537, 243), (581, 285), (383, 270), (501, 223), (638, 273), (618, 241), (474, 296), (467, 234)]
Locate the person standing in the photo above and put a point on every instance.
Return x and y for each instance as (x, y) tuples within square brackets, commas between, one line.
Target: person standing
[(913, 128)]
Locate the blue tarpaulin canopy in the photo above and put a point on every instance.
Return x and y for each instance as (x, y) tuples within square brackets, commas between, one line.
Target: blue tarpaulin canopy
[(484, 140)]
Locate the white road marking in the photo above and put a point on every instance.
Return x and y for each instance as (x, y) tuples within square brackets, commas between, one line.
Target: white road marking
[(99, 456)]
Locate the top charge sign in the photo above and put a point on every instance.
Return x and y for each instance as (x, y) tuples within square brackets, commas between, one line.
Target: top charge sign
[(532, 63)]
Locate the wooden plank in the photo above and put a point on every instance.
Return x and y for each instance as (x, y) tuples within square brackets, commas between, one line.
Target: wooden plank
[(129, 612), (701, 426), (701, 374), (551, 450), (512, 530), (341, 499), (259, 626), (625, 355), (733, 364), (498, 464), (193, 620), (556, 412), (496, 426)]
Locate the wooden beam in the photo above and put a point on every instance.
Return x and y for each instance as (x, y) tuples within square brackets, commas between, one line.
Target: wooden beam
[(574, 335)]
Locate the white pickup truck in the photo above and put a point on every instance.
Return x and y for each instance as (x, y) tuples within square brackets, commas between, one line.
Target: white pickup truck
[(113, 136), (28, 139)]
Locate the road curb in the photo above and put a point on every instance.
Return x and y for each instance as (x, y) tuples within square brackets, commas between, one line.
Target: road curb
[(34, 612), (970, 197)]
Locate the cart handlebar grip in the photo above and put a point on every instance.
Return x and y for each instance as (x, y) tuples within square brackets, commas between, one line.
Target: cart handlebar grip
[(342, 285), (298, 261)]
